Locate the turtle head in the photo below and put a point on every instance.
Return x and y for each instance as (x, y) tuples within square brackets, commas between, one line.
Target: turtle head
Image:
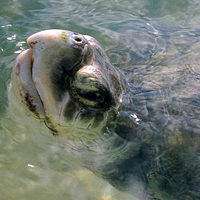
[(66, 79)]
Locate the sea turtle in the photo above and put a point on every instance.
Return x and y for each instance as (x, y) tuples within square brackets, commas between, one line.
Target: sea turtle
[(140, 134)]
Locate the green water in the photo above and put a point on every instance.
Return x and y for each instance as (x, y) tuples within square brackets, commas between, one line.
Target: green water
[(131, 32)]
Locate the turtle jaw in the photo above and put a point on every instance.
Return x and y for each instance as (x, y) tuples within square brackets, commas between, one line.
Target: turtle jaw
[(23, 85)]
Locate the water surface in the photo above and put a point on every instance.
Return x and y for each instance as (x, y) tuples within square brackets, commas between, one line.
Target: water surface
[(131, 32)]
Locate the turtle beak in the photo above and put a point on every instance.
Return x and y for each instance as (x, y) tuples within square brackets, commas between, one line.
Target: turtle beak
[(23, 85)]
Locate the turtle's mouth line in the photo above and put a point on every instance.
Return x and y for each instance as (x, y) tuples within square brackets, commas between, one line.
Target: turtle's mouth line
[(31, 74), (31, 66)]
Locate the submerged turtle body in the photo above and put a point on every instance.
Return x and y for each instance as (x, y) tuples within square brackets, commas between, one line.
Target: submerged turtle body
[(140, 133)]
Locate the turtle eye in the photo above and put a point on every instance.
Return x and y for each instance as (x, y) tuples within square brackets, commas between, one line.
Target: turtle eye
[(92, 95)]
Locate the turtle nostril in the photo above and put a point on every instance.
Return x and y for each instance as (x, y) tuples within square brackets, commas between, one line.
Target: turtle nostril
[(78, 39)]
